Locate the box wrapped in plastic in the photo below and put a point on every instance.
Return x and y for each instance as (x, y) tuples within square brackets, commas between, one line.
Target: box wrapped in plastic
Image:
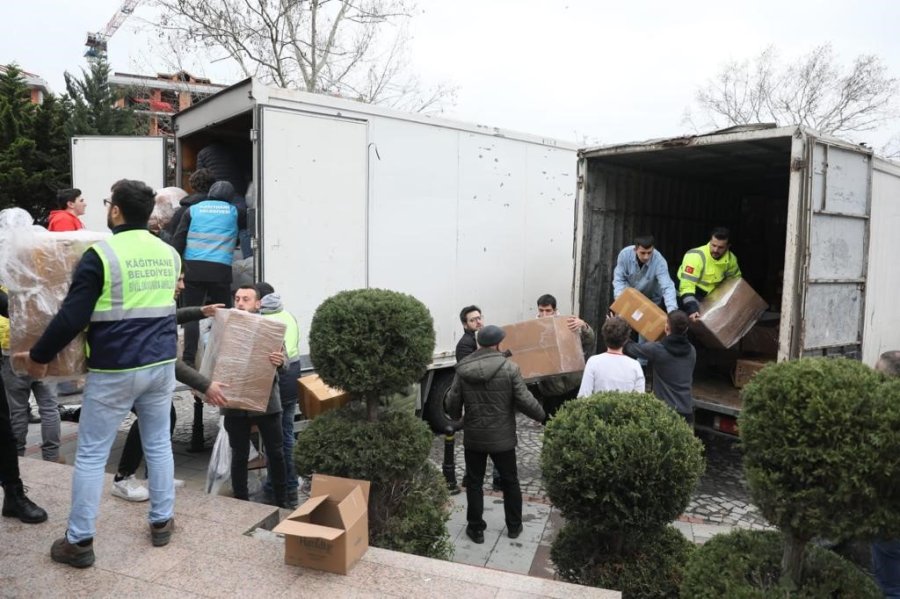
[(237, 354), (728, 313), (166, 204), (37, 266)]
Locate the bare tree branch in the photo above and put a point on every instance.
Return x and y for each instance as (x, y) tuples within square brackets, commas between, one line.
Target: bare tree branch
[(351, 48), (815, 91)]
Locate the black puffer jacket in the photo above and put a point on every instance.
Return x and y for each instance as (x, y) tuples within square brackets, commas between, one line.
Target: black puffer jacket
[(489, 389)]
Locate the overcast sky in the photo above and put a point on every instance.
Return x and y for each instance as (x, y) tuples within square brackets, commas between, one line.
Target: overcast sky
[(569, 69)]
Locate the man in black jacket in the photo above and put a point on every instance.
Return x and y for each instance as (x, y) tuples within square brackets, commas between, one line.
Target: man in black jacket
[(15, 503), (486, 392), (472, 321), (673, 361)]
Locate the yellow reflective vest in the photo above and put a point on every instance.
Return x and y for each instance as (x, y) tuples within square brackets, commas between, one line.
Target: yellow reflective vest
[(133, 323), (4, 329), (700, 270), (291, 333)]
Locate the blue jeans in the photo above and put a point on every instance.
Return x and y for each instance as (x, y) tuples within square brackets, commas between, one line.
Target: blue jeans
[(108, 397), (287, 386), (886, 566)]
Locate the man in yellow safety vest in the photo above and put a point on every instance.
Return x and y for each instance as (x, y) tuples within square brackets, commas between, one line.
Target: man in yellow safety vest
[(703, 269)]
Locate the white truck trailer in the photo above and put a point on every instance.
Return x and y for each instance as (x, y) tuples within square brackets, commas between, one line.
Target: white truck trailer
[(813, 222), (352, 195)]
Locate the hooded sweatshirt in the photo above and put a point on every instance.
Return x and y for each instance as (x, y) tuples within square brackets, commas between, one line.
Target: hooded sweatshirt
[(486, 392), (63, 220), (673, 361)]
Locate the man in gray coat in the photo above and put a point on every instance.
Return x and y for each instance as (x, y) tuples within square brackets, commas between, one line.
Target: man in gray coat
[(486, 392)]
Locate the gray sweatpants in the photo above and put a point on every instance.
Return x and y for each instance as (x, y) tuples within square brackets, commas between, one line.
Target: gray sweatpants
[(18, 390)]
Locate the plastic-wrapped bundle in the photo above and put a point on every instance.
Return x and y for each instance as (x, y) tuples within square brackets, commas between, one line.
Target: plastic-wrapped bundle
[(728, 313), (36, 266), (167, 201), (238, 355)]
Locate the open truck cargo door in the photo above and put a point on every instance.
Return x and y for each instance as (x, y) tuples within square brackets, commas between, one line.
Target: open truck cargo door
[(837, 207), (313, 170), (98, 161)]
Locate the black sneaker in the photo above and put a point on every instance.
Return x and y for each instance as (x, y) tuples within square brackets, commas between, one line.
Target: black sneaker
[(514, 532), (477, 536), (77, 555), (161, 532)]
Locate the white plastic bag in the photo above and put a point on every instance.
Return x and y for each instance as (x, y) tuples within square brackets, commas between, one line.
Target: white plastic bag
[(219, 470)]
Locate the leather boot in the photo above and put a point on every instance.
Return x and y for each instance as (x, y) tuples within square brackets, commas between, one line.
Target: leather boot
[(197, 427), (17, 505)]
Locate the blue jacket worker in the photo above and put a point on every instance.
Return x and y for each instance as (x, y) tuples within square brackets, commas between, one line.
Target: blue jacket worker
[(644, 268)]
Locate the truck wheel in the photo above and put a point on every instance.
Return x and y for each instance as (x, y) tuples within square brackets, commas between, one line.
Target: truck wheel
[(433, 412)]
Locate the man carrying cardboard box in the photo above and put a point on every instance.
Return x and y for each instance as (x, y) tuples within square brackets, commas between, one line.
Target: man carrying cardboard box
[(704, 268), (641, 266), (612, 370), (239, 422), (673, 361), (123, 293), (554, 391), (486, 392)]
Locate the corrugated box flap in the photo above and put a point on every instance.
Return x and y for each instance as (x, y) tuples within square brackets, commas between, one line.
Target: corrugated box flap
[(352, 507), (308, 507), (305, 529), (338, 488)]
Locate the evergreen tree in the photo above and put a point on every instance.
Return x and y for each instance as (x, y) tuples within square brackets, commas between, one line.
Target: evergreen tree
[(93, 105)]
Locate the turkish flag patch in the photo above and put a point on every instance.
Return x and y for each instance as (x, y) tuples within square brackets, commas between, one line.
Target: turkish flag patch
[(689, 270)]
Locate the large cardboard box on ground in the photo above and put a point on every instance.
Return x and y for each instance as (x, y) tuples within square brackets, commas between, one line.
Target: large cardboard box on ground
[(727, 314), (641, 314), (37, 270), (237, 354), (543, 347), (744, 370), (330, 531), (317, 398)]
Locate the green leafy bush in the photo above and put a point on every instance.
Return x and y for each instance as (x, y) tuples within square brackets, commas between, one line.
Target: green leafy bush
[(408, 500), (649, 565), (820, 448), (371, 342), (747, 565), (620, 461)]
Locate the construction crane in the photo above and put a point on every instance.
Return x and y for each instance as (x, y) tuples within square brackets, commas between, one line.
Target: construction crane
[(97, 42)]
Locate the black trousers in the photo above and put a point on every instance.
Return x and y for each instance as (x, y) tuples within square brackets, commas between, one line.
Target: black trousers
[(9, 457), (133, 451), (238, 428), (505, 461), (200, 293)]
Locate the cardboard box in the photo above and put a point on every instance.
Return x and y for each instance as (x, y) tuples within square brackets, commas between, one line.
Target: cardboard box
[(727, 314), (330, 531), (744, 370), (317, 398), (645, 317), (761, 339), (38, 272), (544, 347), (237, 354)]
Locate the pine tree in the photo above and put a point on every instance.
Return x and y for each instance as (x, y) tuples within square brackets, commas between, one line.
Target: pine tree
[(93, 105)]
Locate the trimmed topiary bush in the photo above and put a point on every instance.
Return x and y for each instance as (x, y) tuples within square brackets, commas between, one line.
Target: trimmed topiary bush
[(371, 343), (407, 498), (649, 564), (747, 565), (820, 453), (620, 461)]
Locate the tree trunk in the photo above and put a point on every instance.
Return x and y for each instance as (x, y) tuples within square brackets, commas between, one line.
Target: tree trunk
[(792, 561), (372, 408)]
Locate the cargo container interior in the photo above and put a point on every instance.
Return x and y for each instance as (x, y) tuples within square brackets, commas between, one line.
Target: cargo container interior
[(678, 194), (233, 133)]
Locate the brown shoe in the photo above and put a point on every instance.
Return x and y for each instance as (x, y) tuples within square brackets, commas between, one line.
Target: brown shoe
[(161, 532), (74, 554)]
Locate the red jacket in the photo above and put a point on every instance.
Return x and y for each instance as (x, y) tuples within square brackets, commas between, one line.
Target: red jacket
[(60, 220)]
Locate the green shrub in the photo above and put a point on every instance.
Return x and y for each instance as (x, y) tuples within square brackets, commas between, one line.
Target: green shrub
[(371, 343), (342, 443), (620, 461), (820, 448), (408, 507), (649, 565), (747, 565)]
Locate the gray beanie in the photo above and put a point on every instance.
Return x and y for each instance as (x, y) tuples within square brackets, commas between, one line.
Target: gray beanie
[(221, 190), (489, 336)]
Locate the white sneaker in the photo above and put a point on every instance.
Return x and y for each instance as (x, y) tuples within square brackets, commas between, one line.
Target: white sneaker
[(130, 489), (178, 483)]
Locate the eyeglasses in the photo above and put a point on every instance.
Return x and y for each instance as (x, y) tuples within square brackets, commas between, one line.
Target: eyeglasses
[(107, 202), (474, 319)]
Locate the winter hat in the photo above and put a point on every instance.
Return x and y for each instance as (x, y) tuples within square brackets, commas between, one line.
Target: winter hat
[(221, 190), (489, 336)]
